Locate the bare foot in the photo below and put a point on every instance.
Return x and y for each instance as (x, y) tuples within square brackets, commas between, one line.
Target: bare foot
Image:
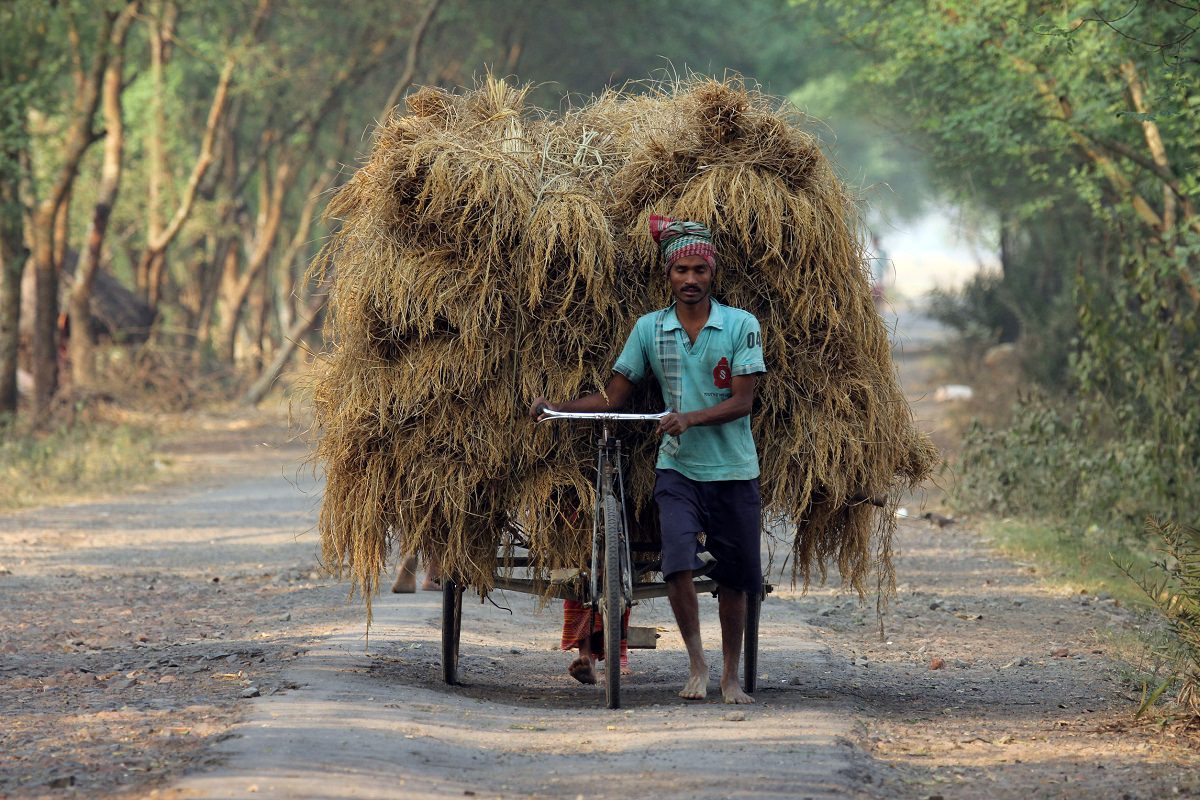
[(581, 670), (431, 584), (697, 686), (406, 577), (732, 693)]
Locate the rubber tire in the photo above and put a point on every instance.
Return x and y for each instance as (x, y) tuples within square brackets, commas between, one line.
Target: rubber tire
[(452, 597), (612, 601), (750, 643)]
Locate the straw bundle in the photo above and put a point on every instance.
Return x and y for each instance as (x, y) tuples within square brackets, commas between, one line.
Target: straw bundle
[(488, 255), (832, 425)]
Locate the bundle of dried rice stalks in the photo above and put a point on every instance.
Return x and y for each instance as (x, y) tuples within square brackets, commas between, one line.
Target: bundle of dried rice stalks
[(488, 255), (832, 424)]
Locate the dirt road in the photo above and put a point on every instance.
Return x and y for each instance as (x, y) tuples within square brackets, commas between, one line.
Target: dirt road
[(181, 642), (187, 630)]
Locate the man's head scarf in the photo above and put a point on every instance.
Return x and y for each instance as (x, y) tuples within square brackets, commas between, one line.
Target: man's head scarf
[(679, 238)]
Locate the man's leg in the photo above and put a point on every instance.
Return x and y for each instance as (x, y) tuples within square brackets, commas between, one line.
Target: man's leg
[(583, 669), (733, 627), (682, 595), (578, 624), (735, 538), (433, 580), (406, 576)]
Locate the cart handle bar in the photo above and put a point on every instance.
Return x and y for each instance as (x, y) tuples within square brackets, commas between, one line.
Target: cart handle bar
[(600, 416)]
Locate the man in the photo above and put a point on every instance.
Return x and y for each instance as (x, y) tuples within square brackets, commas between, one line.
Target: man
[(706, 357)]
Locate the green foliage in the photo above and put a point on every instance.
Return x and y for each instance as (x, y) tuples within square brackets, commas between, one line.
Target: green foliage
[(1073, 559), (23, 47), (981, 313), (1128, 444), (1173, 586), (1024, 111), (72, 459), (1066, 464), (1140, 339)]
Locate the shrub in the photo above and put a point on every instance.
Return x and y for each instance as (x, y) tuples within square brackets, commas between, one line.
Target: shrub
[(72, 458), (1173, 586)]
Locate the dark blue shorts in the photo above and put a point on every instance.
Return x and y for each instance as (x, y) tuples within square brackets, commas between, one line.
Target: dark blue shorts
[(728, 513)]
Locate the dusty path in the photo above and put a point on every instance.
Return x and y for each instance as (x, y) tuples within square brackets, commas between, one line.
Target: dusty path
[(131, 627), (134, 627), (181, 643), (386, 726)]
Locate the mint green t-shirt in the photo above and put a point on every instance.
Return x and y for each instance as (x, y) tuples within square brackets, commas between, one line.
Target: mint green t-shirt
[(729, 344)]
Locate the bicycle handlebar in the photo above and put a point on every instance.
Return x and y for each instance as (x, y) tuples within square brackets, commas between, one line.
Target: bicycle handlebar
[(601, 416)]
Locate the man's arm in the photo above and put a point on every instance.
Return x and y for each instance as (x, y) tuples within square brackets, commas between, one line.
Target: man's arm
[(736, 407), (614, 396)]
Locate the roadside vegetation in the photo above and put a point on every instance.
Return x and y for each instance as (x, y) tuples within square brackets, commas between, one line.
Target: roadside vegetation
[(73, 458), (1071, 128)]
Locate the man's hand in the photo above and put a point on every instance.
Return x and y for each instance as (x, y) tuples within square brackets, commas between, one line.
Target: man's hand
[(538, 406), (674, 424)]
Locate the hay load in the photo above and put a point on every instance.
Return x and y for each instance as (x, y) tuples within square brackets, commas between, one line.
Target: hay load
[(488, 255), (833, 425)]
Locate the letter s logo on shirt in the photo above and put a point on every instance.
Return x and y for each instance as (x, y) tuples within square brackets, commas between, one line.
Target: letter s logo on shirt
[(722, 377)]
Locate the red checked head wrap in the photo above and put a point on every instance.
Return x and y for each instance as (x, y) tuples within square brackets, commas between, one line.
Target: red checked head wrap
[(679, 238)]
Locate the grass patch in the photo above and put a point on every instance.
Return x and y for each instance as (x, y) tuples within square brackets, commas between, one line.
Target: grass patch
[(1075, 559), (38, 467), (1088, 560)]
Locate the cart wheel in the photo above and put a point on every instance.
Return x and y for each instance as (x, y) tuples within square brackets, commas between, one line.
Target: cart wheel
[(750, 642), (611, 599), (452, 595)]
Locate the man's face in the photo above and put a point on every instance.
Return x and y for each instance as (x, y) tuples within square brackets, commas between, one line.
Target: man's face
[(691, 279)]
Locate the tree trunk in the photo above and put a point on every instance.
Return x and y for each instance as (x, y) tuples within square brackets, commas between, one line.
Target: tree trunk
[(288, 281), (43, 345), (224, 249), (304, 324), (238, 290), (82, 350), (161, 26), (225, 262), (256, 324), (12, 266), (152, 263), (47, 220)]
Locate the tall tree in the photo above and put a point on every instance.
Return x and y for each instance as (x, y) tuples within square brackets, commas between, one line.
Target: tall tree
[(307, 320), (51, 208), (150, 268), (82, 353), (21, 43)]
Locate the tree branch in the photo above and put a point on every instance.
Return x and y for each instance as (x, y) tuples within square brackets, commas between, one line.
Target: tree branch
[(156, 247), (1120, 183), (82, 358), (80, 135), (215, 112), (1153, 139), (410, 61)]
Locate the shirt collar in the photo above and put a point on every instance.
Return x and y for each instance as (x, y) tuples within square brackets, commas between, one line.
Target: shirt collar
[(716, 317)]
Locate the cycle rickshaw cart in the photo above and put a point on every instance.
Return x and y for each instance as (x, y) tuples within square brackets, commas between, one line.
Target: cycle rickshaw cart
[(612, 583)]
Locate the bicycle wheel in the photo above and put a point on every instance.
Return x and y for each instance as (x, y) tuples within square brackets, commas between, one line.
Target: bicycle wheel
[(611, 599), (750, 642), (451, 629)]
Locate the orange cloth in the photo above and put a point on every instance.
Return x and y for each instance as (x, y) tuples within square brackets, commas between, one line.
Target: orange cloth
[(580, 621)]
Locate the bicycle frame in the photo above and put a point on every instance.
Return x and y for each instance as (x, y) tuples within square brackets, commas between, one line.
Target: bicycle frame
[(610, 468)]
